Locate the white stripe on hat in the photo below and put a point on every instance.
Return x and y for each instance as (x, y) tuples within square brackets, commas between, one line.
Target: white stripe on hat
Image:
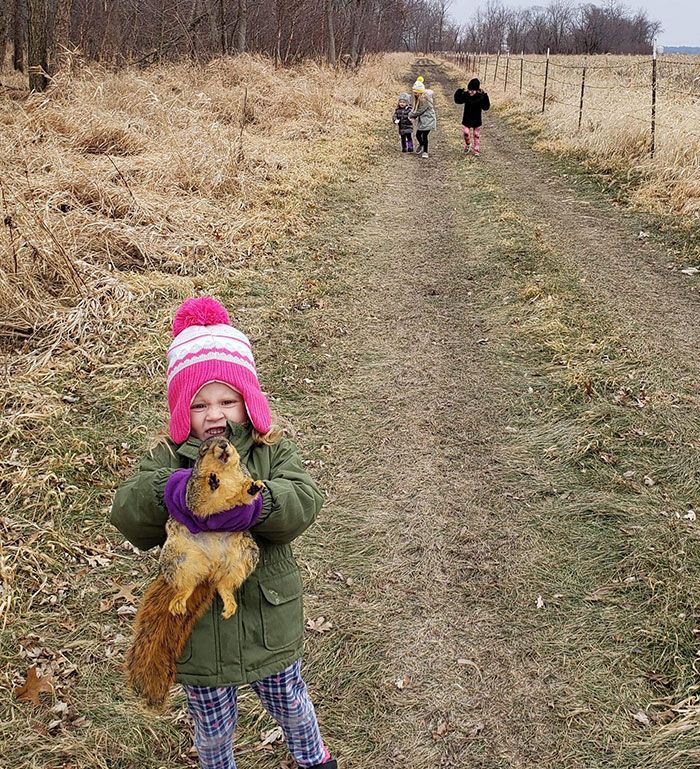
[(218, 330), (206, 354)]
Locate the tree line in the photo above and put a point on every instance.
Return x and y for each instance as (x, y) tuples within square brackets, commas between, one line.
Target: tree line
[(40, 34), (563, 27)]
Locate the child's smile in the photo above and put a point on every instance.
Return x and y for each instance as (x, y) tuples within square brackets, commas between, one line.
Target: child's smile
[(213, 406)]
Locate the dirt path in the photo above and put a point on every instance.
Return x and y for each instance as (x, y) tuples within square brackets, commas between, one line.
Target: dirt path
[(426, 515), (423, 396)]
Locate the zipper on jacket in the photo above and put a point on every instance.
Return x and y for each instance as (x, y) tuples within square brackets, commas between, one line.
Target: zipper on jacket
[(217, 639), (239, 614)]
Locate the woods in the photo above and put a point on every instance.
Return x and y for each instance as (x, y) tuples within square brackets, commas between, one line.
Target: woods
[(119, 32), (561, 26), (123, 32)]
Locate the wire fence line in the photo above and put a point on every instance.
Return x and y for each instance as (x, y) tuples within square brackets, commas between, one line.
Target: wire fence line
[(652, 81)]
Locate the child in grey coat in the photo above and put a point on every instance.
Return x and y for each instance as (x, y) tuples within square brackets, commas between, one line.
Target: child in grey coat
[(423, 113)]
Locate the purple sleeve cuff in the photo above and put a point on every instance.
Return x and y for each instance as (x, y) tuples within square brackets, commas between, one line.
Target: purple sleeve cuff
[(175, 491)]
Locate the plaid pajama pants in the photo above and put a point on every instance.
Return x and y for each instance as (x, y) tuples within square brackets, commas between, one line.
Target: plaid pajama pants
[(284, 696)]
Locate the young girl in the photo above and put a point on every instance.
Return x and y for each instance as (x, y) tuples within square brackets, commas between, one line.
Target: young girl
[(404, 122), (213, 390), (475, 100), (423, 113)]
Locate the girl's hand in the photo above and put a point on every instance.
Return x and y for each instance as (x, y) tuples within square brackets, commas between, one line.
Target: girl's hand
[(239, 518)]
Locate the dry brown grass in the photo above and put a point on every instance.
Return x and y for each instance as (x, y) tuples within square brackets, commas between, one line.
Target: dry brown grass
[(108, 174)]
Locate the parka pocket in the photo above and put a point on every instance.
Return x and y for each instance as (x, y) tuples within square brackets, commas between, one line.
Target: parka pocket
[(186, 655), (282, 610)]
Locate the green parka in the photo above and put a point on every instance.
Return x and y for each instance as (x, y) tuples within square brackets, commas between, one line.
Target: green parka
[(265, 635)]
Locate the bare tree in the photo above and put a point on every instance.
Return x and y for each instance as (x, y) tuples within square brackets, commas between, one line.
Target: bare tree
[(330, 32), (358, 18), (18, 20), (37, 60), (242, 26), (61, 31)]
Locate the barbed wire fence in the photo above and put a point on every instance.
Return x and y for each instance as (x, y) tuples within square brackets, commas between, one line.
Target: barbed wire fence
[(531, 77)]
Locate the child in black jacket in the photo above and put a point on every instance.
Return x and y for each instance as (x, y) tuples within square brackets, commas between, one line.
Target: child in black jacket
[(475, 101), (404, 122)]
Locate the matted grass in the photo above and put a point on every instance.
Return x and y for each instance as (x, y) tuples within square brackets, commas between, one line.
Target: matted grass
[(604, 450)]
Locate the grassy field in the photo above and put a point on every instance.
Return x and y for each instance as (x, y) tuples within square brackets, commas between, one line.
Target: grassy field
[(122, 194), (615, 132), (499, 401)]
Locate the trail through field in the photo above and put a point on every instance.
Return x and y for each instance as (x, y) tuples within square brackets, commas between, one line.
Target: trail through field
[(458, 642)]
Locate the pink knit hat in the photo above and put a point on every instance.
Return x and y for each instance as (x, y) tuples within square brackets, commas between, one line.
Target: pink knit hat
[(207, 348)]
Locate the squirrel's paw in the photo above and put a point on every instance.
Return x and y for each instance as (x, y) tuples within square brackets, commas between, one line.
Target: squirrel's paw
[(178, 605)]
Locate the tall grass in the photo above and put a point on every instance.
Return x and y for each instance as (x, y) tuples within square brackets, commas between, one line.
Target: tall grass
[(171, 171)]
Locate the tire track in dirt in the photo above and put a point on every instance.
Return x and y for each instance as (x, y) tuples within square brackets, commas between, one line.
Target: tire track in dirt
[(593, 239)]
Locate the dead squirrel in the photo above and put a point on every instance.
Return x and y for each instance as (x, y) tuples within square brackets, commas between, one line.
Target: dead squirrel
[(193, 567)]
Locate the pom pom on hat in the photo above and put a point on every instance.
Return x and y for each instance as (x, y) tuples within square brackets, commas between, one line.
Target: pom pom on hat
[(419, 85), (207, 348), (199, 311)]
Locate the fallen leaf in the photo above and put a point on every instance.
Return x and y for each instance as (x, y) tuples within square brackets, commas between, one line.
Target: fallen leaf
[(34, 686), (81, 723), (471, 664), (642, 717), (691, 270), (124, 591), (267, 738), (319, 625), (60, 708), (402, 683), (540, 602), (649, 481), (441, 729), (600, 594)]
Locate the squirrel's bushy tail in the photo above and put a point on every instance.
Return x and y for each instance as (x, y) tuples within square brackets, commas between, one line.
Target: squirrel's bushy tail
[(159, 638)]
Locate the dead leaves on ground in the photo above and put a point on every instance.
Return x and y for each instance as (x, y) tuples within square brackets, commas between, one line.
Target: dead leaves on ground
[(34, 686)]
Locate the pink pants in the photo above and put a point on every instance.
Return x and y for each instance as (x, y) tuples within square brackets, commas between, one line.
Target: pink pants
[(477, 136)]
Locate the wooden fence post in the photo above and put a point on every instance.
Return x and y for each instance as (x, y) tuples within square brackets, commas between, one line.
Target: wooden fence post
[(505, 84), (486, 68), (522, 57), (653, 102), (583, 88), (546, 77), (495, 72)]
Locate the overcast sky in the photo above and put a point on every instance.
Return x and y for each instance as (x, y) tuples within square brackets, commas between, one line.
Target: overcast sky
[(680, 18)]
